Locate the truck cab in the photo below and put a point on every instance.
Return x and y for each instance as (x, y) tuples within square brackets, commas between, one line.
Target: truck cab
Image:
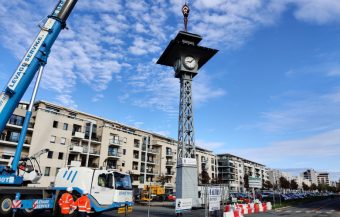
[(108, 189)]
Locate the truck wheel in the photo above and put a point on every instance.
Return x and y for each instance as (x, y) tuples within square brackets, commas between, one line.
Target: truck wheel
[(6, 205), (31, 212)]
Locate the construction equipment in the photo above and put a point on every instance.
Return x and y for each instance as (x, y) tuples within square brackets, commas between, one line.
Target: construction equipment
[(153, 192), (108, 189)]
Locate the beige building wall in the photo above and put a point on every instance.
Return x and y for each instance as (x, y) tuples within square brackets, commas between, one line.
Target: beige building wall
[(66, 133)]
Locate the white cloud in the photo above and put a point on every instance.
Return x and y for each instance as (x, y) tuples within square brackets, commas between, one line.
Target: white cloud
[(317, 11), (103, 34)]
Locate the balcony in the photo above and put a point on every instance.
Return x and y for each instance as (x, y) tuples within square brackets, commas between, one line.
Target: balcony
[(170, 163), (169, 154), (169, 185), (169, 173), (78, 135), (93, 151), (75, 163), (152, 162), (152, 171), (115, 142), (13, 141), (153, 151), (77, 149), (114, 154), (135, 182)]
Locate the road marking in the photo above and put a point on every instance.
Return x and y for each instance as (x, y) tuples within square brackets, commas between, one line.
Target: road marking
[(298, 211)]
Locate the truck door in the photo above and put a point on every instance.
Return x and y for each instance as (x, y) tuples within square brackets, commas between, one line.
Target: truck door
[(102, 187)]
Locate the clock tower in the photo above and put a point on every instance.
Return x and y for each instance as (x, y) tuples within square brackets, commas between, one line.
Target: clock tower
[(186, 57)]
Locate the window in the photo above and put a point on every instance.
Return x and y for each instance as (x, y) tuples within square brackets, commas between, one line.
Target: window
[(55, 124), (14, 137), (50, 154), (56, 171), (62, 140), (124, 151), (47, 171), (16, 120), (123, 164), (60, 155), (65, 127), (105, 180), (52, 139)]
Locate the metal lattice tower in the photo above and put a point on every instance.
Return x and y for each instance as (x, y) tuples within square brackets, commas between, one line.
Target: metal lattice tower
[(186, 57), (186, 133)]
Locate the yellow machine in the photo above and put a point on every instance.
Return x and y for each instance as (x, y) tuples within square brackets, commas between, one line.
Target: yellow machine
[(152, 192)]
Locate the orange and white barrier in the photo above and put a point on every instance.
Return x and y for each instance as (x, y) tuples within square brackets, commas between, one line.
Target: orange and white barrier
[(229, 211), (269, 206), (238, 210), (250, 208), (245, 209)]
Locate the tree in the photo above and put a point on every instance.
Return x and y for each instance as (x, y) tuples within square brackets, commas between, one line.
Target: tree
[(293, 185), (246, 181), (305, 187), (267, 185), (162, 179), (313, 187), (322, 187), (204, 177), (284, 183)]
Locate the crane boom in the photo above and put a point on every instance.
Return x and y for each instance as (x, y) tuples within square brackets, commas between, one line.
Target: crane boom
[(35, 59)]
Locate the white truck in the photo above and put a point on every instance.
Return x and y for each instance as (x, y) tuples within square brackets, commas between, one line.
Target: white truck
[(108, 190)]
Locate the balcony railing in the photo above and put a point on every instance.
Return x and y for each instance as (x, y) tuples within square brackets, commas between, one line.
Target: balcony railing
[(114, 154), (171, 173), (92, 151), (114, 142), (170, 163), (169, 154), (78, 135)]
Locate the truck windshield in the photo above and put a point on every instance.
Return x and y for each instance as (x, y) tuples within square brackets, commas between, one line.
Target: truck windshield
[(122, 181)]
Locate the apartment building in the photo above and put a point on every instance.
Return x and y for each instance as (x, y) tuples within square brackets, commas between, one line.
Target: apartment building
[(75, 138), (206, 161), (323, 178), (232, 169), (311, 175), (275, 174)]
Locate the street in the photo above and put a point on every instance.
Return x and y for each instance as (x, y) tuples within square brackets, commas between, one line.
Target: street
[(324, 208)]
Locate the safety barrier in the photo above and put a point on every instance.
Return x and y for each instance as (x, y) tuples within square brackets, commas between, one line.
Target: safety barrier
[(238, 210)]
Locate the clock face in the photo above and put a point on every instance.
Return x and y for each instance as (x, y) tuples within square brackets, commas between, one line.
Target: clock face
[(190, 62)]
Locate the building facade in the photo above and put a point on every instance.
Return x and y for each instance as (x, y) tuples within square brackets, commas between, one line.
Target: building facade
[(232, 169), (311, 175), (75, 138), (323, 178)]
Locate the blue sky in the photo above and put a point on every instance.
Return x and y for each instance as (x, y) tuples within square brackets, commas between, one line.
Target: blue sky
[(271, 94)]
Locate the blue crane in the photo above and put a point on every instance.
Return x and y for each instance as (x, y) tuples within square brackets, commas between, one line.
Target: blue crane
[(30, 66)]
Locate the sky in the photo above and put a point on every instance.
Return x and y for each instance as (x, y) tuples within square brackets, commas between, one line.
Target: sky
[(271, 94)]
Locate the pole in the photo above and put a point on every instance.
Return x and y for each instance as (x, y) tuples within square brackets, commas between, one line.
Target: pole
[(89, 145), (149, 201), (274, 189), (26, 121)]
